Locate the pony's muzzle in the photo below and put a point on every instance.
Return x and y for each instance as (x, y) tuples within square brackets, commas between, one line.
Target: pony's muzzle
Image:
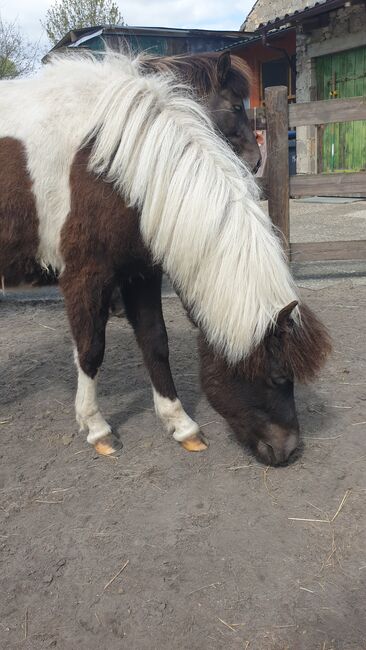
[(275, 453)]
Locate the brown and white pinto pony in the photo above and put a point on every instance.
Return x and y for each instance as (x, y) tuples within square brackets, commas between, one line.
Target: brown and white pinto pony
[(111, 176)]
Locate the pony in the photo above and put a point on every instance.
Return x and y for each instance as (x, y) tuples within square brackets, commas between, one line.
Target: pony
[(222, 82), (112, 176)]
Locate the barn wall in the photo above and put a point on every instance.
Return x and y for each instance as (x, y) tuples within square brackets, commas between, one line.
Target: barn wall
[(258, 53)]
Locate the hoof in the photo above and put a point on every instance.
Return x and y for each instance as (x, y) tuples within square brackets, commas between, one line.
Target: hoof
[(108, 445), (195, 443)]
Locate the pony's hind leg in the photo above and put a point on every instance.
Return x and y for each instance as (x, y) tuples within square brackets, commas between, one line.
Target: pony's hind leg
[(142, 299), (87, 295)]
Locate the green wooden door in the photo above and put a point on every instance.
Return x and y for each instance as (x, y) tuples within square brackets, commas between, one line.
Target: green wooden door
[(343, 75)]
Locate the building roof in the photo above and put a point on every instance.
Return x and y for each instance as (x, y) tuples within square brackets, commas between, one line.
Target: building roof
[(264, 11), (138, 36), (269, 15)]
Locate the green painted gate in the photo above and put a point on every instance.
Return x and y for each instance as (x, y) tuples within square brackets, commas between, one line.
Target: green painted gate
[(338, 76)]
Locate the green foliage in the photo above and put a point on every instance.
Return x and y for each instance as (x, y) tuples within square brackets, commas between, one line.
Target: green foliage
[(8, 69), (17, 55), (66, 15)]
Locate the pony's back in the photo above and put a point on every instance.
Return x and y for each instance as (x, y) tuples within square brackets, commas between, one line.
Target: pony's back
[(49, 114)]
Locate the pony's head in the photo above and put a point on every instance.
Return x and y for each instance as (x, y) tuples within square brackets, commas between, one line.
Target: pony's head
[(222, 81), (256, 397), (226, 106)]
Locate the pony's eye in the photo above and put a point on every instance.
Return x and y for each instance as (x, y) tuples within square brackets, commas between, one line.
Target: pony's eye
[(277, 380), (238, 108)]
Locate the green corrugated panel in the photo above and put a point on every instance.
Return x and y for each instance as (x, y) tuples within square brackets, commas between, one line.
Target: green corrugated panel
[(135, 43), (96, 44), (148, 44), (158, 44)]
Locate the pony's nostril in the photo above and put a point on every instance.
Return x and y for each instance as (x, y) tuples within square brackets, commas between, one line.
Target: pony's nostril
[(266, 453)]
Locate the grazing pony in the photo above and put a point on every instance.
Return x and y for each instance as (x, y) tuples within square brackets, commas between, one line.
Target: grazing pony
[(111, 175)]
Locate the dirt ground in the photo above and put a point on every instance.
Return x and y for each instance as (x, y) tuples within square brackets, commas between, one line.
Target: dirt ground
[(212, 554)]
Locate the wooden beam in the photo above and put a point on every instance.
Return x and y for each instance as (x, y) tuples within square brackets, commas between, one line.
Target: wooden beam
[(347, 41), (328, 250), (277, 160), (351, 184), (327, 111)]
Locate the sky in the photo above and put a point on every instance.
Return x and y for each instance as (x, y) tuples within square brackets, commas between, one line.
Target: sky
[(203, 14)]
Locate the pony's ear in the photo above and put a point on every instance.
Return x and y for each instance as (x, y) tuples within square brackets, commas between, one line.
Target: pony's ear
[(282, 321), (223, 67)]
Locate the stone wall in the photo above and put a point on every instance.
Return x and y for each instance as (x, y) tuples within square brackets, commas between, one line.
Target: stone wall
[(346, 30)]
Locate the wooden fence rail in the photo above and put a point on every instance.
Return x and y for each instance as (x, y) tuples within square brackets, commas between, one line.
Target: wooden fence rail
[(278, 186), (339, 251), (327, 111), (313, 113), (349, 184)]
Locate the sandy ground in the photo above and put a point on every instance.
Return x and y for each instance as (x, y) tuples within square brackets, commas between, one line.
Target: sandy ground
[(212, 556)]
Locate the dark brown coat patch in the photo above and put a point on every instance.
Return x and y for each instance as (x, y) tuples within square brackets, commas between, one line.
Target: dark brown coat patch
[(102, 248), (19, 237)]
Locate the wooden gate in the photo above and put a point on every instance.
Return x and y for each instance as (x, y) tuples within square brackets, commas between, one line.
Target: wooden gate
[(342, 146), (276, 117)]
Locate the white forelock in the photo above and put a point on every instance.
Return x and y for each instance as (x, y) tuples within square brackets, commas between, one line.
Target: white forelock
[(197, 201)]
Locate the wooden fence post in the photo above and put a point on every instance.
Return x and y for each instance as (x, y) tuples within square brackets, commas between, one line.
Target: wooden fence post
[(277, 160)]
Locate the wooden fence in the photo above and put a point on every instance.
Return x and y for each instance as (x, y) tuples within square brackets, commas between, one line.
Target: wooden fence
[(277, 117)]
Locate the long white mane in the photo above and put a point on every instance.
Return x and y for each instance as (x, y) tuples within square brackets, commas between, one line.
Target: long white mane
[(197, 201), (198, 207)]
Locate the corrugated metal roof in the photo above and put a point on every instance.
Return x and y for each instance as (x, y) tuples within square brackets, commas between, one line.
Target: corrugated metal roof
[(232, 38), (292, 17), (264, 11)]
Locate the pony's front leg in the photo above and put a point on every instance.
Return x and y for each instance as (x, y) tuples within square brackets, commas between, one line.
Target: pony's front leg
[(142, 299), (87, 294), (88, 415)]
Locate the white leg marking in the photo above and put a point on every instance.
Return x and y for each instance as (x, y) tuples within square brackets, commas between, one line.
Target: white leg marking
[(88, 415), (174, 417)]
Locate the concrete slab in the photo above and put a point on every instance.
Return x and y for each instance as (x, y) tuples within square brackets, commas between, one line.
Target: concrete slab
[(327, 199), (312, 222)]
